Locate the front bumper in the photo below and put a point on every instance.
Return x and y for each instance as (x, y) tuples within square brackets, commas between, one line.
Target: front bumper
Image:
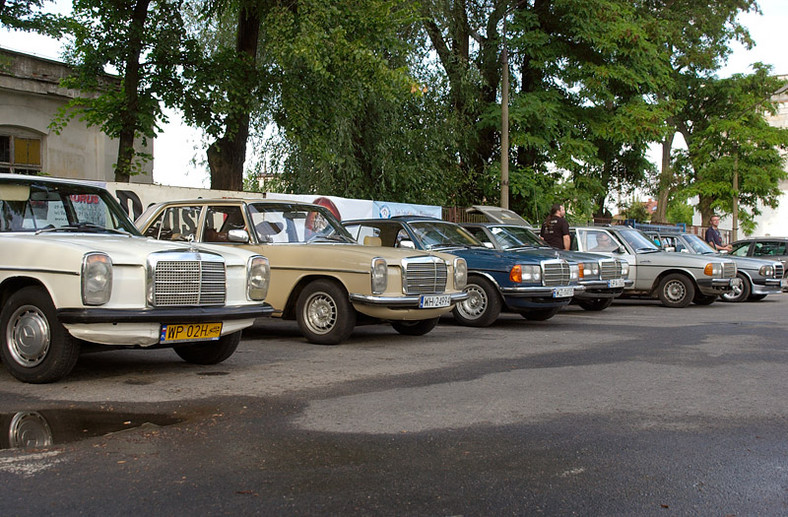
[(716, 286), (400, 302), (602, 289), (767, 286), (164, 315), (539, 297)]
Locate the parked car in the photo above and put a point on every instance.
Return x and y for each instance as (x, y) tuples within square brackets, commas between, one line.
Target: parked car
[(759, 278), (770, 248), (676, 279), (603, 277), (533, 283), (76, 271), (320, 277)]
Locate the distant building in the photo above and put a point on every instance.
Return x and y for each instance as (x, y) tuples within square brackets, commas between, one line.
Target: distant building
[(30, 95), (775, 221)]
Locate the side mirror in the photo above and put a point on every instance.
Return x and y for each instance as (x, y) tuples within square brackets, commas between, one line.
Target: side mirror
[(489, 245), (405, 243), (238, 236)]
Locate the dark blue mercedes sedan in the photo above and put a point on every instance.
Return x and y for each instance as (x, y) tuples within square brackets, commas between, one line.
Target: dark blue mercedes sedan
[(535, 283)]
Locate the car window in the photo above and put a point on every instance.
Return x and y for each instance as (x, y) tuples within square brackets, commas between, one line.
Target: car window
[(219, 220), (598, 240), (175, 223), (479, 233), (769, 248), (740, 250), (516, 237), (296, 223)]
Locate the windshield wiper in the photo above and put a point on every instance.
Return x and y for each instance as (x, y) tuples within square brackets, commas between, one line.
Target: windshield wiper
[(81, 227)]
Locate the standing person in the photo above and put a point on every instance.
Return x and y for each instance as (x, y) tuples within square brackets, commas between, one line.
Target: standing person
[(713, 236), (555, 229)]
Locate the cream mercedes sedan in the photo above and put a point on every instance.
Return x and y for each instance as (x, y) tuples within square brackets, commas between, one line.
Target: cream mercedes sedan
[(320, 276)]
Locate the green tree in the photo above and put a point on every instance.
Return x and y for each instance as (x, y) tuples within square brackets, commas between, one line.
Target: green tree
[(733, 161), (145, 43), (29, 15)]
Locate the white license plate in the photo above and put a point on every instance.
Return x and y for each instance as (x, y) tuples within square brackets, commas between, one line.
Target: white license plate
[(563, 292), (434, 301), (616, 282), (190, 332)]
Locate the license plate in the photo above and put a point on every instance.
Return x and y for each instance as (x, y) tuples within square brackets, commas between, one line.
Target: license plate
[(190, 332), (563, 292), (434, 301), (615, 282)]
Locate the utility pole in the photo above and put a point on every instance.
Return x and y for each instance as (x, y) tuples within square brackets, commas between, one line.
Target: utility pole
[(504, 122)]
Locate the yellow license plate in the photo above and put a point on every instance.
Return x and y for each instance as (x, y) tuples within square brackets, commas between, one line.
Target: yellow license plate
[(190, 332)]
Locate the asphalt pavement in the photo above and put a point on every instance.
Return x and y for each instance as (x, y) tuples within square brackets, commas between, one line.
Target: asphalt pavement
[(635, 410)]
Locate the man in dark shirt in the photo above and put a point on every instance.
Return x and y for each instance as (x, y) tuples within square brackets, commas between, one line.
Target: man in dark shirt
[(555, 229), (713, 236)]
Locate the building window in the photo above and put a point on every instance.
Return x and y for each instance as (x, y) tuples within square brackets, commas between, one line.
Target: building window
[(20, 154)]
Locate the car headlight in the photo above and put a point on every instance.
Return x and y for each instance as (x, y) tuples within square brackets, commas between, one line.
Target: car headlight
[(460, 273), (526, 273), (624, 268), (574, 272), (767, 271), (713, 269), (258, 277), (96, 278), (380, 275)]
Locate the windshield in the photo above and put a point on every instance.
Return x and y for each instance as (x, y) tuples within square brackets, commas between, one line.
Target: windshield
[(509, 237), (296, 223), (637, 240), (698, 245), (54, 207), (440, 234)]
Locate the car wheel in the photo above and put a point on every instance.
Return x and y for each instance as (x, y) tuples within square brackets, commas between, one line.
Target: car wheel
[(212, 352), (595, 304), (676, 290), (414, 328), (704, 299), (483, 305), (36, 347), (540, 314), (324, 313), (756, 297), (740, 292)]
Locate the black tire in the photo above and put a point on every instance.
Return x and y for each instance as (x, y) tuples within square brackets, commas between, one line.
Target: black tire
[(483, 305), (540, 314), (676, 291), (36, 348), (212, 352), (756, 297), (704, 299), (324, 313), (738, 294), (414, 328), (595, 304)]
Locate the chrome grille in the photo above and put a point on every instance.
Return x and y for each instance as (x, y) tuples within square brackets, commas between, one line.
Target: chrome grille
[(728, 269), (186, 278), (555, 272), (610, 269), (779, 270), (424, 275)]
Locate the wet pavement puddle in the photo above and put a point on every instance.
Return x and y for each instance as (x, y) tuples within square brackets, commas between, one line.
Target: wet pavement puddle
[(45, 428)]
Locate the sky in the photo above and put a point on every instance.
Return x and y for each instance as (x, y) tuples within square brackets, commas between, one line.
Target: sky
[(179, 147)]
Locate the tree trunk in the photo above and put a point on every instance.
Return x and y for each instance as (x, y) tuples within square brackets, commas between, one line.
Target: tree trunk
[(131, 82), (226, 155), (665, 180)]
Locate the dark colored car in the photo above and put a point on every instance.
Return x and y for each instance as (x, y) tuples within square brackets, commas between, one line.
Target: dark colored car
[(603, 277), (535, 283)]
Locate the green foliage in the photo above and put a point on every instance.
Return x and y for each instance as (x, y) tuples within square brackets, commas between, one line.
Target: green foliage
[(29, 16), (636, 210), (680, 212)]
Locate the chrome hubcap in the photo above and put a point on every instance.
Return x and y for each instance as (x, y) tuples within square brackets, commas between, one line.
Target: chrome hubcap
[(675, 291), (28, 336), (476, 303), (320, 313)]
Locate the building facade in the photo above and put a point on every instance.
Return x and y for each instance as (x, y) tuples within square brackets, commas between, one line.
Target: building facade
[(30, 96)]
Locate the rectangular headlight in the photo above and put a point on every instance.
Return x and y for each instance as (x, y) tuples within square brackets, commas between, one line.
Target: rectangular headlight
[(96, 278), (460, 273), (379, 275), (258, 277)]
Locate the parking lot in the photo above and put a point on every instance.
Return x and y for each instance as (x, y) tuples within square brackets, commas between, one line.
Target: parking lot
[(637, 409)]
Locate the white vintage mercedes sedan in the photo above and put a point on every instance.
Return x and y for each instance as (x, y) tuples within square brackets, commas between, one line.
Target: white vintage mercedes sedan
[(74, 271)]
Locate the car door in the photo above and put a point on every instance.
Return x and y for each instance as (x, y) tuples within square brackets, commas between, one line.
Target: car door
[(599, 240)]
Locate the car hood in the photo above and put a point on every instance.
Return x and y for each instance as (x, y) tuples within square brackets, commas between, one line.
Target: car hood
[(67, 249)]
